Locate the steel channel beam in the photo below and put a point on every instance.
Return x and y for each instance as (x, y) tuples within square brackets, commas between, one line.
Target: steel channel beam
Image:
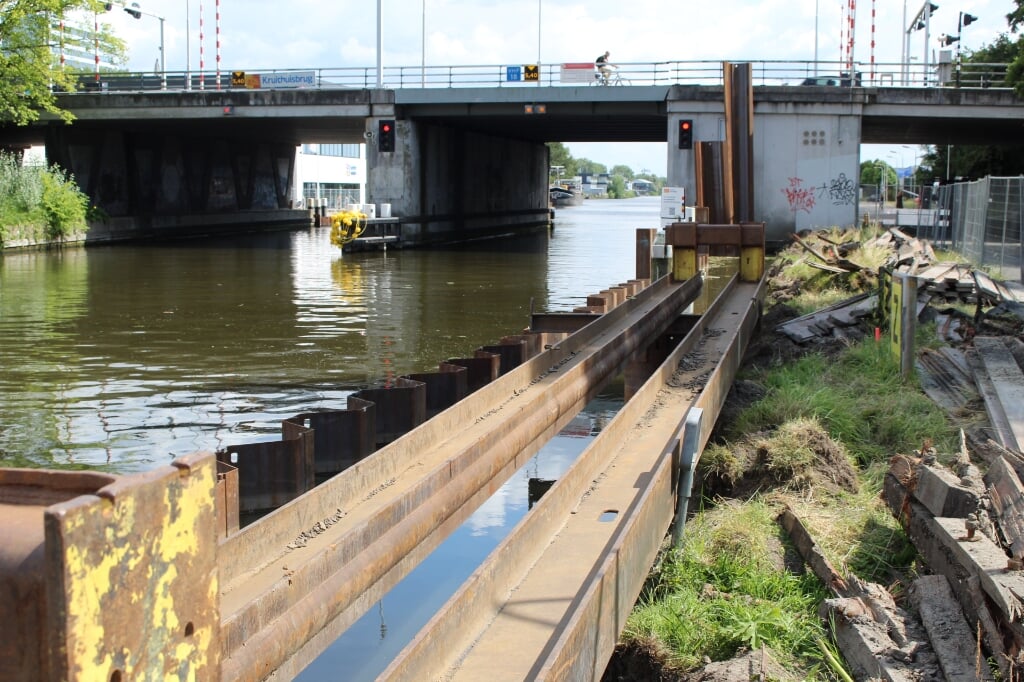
[(319, 560), (551, 600)]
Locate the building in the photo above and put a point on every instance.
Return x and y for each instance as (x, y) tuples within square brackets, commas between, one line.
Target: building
[(335, 173)]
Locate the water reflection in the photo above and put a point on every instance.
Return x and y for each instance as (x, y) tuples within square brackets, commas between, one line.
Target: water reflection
[(123, 357)]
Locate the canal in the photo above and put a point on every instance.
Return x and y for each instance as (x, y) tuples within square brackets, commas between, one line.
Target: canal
[(120, 358)]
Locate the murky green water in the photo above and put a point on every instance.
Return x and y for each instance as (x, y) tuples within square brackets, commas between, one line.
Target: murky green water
[(123, 357)]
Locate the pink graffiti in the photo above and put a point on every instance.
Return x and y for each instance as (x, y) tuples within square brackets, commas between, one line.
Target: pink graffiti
[(800, 198)]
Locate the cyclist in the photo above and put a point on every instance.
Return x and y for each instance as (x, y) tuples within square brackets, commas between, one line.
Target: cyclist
[(604, 68)]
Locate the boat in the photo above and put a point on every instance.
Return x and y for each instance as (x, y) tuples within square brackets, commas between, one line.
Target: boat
[(565, 196)]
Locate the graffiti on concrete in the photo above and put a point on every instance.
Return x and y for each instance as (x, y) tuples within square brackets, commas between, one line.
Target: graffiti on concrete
[(842, 191), (800, 198), (839, 191)]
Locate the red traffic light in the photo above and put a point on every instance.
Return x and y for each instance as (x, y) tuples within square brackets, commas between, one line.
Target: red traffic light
[(686, 134), (386, 136)]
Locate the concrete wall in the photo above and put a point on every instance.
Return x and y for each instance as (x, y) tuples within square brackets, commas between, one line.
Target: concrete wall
[(806, 165), (806, 170), (447, 184)]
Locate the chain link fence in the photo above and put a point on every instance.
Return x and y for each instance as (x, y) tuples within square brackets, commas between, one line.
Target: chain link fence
[(983, 221)]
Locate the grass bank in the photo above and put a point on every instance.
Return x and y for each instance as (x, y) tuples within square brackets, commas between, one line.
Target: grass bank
[(812, 432)]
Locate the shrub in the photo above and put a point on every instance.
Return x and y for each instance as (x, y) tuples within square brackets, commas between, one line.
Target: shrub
[(63, 203)]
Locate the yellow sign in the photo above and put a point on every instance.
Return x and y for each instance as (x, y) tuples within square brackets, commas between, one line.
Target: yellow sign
[(238, 79), (531, 72)]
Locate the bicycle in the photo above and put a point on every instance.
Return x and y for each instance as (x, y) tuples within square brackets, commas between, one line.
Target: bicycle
[(613, 78)]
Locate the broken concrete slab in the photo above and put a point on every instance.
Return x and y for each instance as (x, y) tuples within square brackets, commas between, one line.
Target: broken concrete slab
[(944, 493), (950, 635)]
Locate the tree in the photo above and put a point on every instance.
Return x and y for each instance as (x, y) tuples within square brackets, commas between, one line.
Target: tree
[(1015, 74), (871, 173), (617, 187), (559, 156), (30, 71), (625, 171), (590, 167)]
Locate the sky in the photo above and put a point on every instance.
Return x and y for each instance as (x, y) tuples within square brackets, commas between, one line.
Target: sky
[(300, 34)]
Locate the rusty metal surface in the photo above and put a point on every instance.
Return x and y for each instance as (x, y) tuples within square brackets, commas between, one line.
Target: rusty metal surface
[(226, 493), (739, 136), (445, 387), (24, 496), (561, 323), (271, 473), (324, 557), (550, 602), (481, 369), (340, 437), (512, 354), (399, 408), (131, 585)]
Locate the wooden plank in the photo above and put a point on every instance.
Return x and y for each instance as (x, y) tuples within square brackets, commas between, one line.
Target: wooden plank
[(1007, 496), (950, 635), (1008, 381), (1001, 428)]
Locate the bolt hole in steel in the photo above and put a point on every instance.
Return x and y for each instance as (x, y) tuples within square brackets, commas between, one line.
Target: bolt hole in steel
[(190, 629), (116, 676), (608, 515)]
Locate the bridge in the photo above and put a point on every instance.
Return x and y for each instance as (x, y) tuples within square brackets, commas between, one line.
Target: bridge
[(469, 160)]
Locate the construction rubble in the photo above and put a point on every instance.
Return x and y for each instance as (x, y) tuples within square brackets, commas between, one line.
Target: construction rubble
[(965, 518)]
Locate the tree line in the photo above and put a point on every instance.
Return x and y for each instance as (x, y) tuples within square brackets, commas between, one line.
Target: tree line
[(618, 176)]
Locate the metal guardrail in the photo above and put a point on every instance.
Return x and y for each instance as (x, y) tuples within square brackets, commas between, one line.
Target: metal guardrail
[(701, 72)]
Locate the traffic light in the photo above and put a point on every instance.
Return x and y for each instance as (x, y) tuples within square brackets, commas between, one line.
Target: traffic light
[(386, 136), (947, 39), (134, 10), (969, 19), (686, 134)]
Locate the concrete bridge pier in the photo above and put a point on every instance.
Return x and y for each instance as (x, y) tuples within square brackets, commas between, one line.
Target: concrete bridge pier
[(450, 184), (806, 157)]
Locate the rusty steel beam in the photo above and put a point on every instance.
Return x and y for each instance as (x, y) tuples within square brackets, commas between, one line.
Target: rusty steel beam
[(550, 601), (110, 577), (318, 562)]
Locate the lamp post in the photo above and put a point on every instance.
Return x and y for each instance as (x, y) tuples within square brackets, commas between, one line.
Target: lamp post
[(922, 20), (188, 49), (380, 47), (423, 44), (135, 11), (815, 37), (539, 3)]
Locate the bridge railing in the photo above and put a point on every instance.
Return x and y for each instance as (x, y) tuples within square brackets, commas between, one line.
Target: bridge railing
[(706, 72)]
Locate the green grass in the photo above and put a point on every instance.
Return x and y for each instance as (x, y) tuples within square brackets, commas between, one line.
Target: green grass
[(721, 591), (725, 589), (859, 397)]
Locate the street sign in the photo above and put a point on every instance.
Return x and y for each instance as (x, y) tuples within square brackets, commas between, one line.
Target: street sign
[(532, 72), (238, 79), (513, 73)]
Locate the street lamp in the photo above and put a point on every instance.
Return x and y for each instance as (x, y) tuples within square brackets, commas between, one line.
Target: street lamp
[(135, 11), (922, 20)]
